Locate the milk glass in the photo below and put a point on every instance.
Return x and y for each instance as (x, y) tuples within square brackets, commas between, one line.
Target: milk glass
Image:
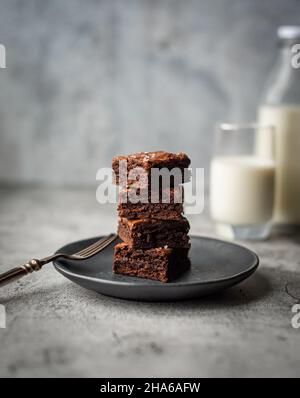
[(242, 181)]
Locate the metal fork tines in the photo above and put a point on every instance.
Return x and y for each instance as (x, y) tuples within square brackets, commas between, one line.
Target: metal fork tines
[(36, 265), (85, 253)]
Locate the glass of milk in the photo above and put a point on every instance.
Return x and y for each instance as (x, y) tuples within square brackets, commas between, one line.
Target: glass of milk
[(242, 181)]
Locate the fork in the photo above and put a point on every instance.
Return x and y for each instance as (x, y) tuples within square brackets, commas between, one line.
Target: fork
[(35, 264)]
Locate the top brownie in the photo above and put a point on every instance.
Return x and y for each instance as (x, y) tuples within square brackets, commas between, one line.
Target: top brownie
[(148, 161)]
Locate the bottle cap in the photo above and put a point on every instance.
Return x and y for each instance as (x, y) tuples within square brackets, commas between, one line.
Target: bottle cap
[(288, 32)]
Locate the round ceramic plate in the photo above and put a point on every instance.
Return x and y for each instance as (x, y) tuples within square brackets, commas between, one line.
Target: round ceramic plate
[(215, 265)]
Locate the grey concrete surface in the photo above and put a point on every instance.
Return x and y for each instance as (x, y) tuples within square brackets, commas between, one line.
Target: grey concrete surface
[(101, 77), (56, 328)]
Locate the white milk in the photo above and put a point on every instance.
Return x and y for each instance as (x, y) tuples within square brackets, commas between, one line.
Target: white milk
[(286, 120), (242, 190)]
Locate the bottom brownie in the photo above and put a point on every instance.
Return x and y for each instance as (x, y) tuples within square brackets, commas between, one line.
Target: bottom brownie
[(161, 263)]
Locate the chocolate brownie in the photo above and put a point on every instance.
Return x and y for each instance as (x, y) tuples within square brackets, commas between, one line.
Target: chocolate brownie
[(130, 208), (162, 263), (138, 195), (158, 211), (147, 161), (149, 233)]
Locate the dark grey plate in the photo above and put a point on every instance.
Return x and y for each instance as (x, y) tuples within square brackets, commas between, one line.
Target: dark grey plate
[(216, 265)]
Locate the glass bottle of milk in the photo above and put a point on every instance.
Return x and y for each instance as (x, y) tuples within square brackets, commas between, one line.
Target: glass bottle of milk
[(281, 108)]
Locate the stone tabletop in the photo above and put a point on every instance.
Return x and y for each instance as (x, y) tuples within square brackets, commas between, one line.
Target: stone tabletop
[(55, 328)]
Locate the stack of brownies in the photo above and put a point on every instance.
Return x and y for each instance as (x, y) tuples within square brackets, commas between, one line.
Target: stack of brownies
[(155, 235)]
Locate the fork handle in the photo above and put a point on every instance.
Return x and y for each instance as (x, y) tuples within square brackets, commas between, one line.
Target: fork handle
[(18, 272)]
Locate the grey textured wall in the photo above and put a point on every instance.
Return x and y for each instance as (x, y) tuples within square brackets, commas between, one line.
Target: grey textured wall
[(88, 79)]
